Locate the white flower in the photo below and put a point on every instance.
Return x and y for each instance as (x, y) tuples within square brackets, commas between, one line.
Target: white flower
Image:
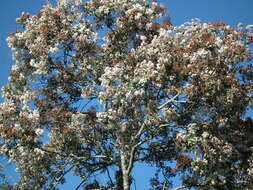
[(205, 135), (78, 2), (181, 135), (202, 52), (249, 27), (34, 63), (35, 114), (21, 148), (163, 32), (14, 68), (205, 161), (219, 41), (149, 11), (205, 25), (39, 151), (149, 25), (143, 38), (239, 25), (139, 92), (223, 49), (250, 171), (53, 49), (39, 132), (213, 182), (138, 16)]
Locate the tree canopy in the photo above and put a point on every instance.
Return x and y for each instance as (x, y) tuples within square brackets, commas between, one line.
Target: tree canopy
[(105, 84)]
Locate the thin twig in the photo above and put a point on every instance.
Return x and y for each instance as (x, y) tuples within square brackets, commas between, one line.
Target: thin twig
[(138, 134), (181, 187), (90, 99), (83, 157), (170, 100), (58, 180), (165, 185), (187, 186), (132, 154), (109, 176), (180, 101), (83, 181), (163, 125)]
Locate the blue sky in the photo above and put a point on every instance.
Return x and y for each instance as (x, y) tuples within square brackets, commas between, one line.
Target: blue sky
[(229, 11)]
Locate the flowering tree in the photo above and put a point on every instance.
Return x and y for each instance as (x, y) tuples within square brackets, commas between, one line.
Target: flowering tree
[(4, 184), (106, 84)]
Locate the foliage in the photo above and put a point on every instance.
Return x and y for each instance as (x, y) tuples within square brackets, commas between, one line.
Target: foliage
[(4, 184), (107, 84)]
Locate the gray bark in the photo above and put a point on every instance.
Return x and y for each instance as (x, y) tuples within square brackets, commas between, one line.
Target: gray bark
[(125, 172)]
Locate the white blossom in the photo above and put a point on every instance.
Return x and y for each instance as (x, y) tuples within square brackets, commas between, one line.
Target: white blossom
[(39, 131)]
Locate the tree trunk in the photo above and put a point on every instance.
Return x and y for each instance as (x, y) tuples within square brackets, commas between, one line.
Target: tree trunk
[(126, 182), (125, 172)]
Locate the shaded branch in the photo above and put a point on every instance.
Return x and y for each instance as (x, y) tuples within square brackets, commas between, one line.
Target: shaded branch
[(190, 186), (138, 134), (132, 154), (170, 100), (109, 176), (60, 178), (83, 181)]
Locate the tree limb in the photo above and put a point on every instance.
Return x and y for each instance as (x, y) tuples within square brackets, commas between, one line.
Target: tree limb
[(170, 100), (181, 187), (63, 174), (109, 176), (138, 134), (132, 154), (83, 181)]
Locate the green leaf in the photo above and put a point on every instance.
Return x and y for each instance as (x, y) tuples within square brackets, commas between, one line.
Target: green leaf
[(4, 187)]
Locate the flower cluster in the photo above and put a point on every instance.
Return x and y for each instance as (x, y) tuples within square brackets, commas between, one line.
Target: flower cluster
[(101, 84)]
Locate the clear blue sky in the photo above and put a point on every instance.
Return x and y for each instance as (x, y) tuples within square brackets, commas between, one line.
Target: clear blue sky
[(228, 11)]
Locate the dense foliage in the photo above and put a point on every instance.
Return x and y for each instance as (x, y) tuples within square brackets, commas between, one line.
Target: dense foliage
[(100, 86)]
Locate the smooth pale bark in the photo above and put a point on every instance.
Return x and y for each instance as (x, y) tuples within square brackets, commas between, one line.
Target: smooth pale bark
[(126, 177)]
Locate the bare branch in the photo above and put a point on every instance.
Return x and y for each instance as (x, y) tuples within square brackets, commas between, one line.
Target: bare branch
[(83, 157), (170, 100), (109, 176), (138, 134), (165, 185), (180, 101), (163, 125), (131, 161), (190, 186), (181, 187), (83, 181), (60, 178)]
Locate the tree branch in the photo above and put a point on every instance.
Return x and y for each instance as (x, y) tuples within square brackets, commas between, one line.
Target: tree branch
[(109, 176), (170, 100), (163, 125), (63, 174), (138, 134), (187, 186), (83, 181), (181, 187), (132, 154)]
